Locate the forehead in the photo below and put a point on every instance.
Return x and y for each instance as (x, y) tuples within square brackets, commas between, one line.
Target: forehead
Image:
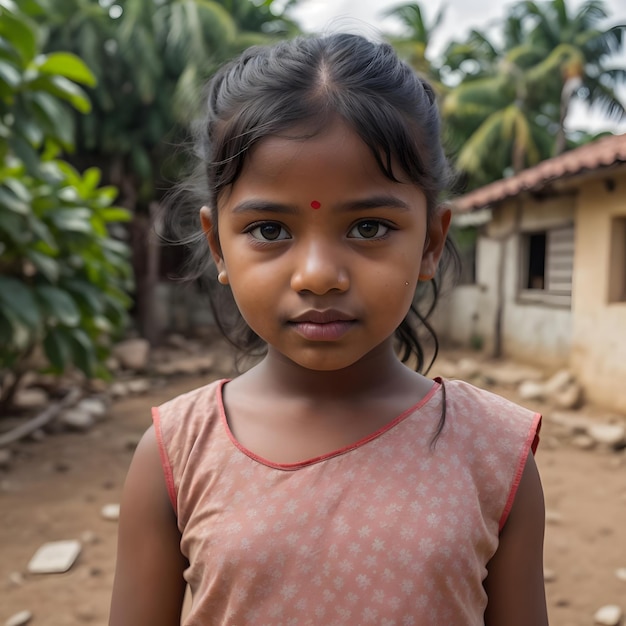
[(333, 167), (301, 154)]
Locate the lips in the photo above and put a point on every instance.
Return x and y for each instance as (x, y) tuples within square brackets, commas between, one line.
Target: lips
[(329, 325), (322, 317)]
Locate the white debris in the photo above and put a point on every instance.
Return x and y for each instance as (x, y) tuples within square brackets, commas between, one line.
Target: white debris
[(111, 512), (54, 557), (609, 615), (19, 619)]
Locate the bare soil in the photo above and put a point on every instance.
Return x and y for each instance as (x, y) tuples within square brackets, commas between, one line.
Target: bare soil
[(55, 489)]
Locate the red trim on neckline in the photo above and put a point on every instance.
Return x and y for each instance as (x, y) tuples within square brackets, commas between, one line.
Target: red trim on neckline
[(307, 462)]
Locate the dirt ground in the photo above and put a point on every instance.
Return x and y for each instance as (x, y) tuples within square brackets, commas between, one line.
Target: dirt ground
[(55, 489)]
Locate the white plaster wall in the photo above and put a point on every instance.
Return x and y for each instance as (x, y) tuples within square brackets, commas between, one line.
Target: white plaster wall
[(535, 333), (599, 332)]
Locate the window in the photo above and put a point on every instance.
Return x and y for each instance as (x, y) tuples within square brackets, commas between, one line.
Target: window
[(617, 260), (547, 265)]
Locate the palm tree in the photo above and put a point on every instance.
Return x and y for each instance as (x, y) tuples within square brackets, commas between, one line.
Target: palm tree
[(577, 52), (511, 101), (413, 45)]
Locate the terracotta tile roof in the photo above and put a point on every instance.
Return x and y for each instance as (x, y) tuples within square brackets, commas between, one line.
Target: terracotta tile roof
[(593, 156)]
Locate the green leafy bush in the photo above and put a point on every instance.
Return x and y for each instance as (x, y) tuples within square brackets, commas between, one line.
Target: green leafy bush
[(64, 278)]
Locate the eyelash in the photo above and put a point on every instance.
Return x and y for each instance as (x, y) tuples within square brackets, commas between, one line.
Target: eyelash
[(262, 240)]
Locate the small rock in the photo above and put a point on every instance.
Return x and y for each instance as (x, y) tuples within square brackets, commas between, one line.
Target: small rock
[(558, 382), (37, 435), (89, 537), (132, 354), (621, 574), (139, 385), (608, 434), (94, 406), (177, 341), (446, 369), (571, 421), (54, 557), (77, 419), (583, 442), (553, 517), (468, 369), (511, 374), (119, 390), (5, 458), (568, 398), (531, 390), (166, 368), (19, 619), (549, 575), (33, 398), (609, 615), (112, 364), (97, 385), (16, 579), (85, 614), (111, 512)]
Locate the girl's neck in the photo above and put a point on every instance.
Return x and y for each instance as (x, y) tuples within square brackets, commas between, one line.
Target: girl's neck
[(377, 371)]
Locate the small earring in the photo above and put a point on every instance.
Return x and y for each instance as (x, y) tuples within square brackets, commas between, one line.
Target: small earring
[(222, 278)]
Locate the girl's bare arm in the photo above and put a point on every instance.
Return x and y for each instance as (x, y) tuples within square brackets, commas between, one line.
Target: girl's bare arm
[(514, 584), (149, 588)]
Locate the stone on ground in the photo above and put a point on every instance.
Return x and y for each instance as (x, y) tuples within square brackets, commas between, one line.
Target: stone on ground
[(77, 419), (608, 434), (609, 615), (54, 557), (558, 382), (132, 354), (19, 619), (33, 398), (111, 512)]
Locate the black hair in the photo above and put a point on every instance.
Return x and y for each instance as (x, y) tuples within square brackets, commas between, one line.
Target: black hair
[(304, 83)]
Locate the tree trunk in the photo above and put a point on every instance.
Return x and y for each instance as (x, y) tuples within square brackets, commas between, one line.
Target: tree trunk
[(146, 264)]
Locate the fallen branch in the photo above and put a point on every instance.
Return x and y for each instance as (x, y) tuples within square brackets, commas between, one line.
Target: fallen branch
[(37, 422)]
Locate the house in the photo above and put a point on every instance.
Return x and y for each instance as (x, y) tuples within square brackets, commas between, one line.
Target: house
[(550, 284)]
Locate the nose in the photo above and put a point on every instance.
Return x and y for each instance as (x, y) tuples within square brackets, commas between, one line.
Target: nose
[(319, 269)]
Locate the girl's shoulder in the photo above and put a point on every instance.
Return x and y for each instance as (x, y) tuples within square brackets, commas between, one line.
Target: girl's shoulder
[(188, 414)]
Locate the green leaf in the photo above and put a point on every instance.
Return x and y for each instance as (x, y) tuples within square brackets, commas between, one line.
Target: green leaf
[(116, 214), (10, 201), (63, 88), (48, 266), (20, 35), (87, 294), (9, 74), (59, 305), (56, 117), (74, 220), (18, 298), (67, 65), (13, 225), (57, 348), (83, 351)]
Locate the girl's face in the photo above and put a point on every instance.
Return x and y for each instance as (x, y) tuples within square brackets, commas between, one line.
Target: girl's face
[(322, 251)]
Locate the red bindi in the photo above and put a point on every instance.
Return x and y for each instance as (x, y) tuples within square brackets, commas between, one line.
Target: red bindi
[(315, 204)]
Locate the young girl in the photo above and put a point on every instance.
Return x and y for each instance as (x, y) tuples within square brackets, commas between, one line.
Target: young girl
[(330, 483)]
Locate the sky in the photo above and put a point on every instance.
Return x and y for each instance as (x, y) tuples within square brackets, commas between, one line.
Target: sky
[(364, 16)]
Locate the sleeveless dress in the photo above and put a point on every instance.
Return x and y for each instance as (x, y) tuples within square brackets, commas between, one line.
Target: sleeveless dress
[(389, 531)]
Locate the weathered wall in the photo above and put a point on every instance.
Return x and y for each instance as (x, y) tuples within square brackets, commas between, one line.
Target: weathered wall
[(599, 329), (533, 332)]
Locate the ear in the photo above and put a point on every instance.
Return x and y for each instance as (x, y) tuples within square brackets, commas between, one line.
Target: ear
[(436, 235), (209, 228)]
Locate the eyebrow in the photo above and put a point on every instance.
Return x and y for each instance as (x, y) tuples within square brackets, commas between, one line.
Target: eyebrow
[(372, 202)]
